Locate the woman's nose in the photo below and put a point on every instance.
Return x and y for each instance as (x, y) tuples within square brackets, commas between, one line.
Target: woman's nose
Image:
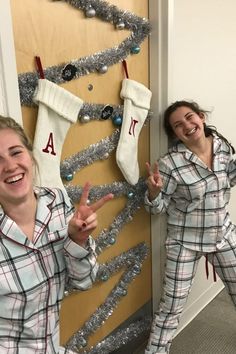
[(9, 164), (187, 125)]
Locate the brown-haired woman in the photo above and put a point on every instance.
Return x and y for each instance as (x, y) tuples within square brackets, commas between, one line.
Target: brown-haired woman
[(191, 184)]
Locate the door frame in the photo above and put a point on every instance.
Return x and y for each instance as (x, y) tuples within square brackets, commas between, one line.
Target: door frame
[(161, 18), (9, 90)]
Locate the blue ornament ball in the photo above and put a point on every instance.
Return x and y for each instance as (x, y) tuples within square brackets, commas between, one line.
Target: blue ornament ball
[(135, 50), (105, 277), (130, 195), (117, 120), (69, 177), (112, 240)]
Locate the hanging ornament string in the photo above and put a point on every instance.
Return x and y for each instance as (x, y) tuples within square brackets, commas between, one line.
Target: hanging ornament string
[(98, 62), (39, 67), (125, 69)]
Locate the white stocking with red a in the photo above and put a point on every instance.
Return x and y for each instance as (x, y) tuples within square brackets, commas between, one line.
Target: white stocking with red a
[(58, 110)]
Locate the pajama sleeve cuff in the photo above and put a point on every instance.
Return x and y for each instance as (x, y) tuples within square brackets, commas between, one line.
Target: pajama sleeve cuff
[(78, 251), (154, 203)]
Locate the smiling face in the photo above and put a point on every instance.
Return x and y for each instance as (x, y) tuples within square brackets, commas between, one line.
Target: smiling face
[(187, 125), (16, 169)]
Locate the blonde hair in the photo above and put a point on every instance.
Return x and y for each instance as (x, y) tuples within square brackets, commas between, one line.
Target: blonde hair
[(10, 123)]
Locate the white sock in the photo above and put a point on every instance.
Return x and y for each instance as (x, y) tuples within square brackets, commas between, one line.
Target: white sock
[(137, 99), (58, 109)]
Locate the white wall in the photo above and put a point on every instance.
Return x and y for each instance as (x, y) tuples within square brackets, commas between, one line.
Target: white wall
[(202, 67), (192, 56), (204, 58)]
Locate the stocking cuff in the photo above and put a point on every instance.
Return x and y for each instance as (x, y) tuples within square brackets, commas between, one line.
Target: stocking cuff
[(58, 99), (136, 92)]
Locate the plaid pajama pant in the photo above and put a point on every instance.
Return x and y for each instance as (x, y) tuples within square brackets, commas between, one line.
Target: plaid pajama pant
[(181, 266)]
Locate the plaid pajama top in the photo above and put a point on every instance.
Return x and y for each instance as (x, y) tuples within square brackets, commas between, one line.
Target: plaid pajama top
[(33, 275), (194, 197)]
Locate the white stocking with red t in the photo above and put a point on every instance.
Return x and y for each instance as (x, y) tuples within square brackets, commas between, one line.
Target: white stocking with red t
[(137, 99)]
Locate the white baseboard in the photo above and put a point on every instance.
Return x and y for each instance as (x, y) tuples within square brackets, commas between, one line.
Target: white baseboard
[(196, 306)]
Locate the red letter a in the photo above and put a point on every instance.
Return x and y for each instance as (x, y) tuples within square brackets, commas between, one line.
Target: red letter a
[(49, 145)]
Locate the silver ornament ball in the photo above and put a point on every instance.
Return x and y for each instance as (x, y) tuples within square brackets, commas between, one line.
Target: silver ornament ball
[(103, 69), (85, 119), (90, 12), (105, 156), (120, 25)]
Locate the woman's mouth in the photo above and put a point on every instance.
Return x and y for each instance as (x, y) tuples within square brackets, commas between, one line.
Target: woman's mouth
[(14, 179), (192, 131)]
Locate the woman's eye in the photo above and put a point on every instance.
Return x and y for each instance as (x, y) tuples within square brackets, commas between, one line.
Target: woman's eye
[(177, 126), (189, 116), (16, 152)]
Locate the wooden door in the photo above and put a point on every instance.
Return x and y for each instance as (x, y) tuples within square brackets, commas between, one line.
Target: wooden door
[(59, 33)]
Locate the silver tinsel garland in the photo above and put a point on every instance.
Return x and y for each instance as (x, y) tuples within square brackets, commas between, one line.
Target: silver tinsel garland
[(134, 194), (98, 62), (135, 197), (131, 260), (94, 152), (92, 111), (122, 337)]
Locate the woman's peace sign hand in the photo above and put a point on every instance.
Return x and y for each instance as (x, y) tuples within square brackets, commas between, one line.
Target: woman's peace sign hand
[(154, 181), (84, 220)]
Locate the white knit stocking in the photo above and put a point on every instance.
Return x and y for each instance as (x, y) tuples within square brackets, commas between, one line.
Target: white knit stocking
[(58, 109), (137, 99)]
